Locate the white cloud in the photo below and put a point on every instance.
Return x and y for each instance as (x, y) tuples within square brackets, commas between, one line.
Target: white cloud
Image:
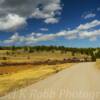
[(13, 39), (44, 29), (83, 31), (98, 9), (36, 37), (89, 15), (51, 20), (88, 30), (89, 25), (67, 34), (14, 13), (48, 12), (11, 22), (90, 34)]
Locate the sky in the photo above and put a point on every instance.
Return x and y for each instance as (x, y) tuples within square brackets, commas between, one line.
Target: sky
[(70, 23)]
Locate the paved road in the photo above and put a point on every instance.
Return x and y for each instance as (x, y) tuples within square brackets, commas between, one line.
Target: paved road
[(80, 82)]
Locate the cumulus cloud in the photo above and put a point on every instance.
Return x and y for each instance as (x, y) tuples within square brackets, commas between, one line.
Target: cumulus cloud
[(92, 35), (51, 20), (89, 30), (14, 39), (14, 13), (37, 37), (83, 31), (11, 22)]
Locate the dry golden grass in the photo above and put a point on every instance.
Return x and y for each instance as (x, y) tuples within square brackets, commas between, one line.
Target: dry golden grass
[(13, 69), (36, 56), (22, 78), (14, 77), (98, 63)]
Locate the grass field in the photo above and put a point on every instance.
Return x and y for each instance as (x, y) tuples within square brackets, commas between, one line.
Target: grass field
[(13, 69), (98, 63), (22, 72), (36, 56), (22, 78)]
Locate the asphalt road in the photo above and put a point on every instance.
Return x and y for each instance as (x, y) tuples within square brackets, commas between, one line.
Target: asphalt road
[(80, 82)]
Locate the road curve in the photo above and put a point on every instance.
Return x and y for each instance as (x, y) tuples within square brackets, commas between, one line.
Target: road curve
[(80, 82)]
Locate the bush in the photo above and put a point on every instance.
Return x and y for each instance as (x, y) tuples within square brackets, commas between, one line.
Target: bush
[(97, 54), (4, 58), (56, 69), (93, 57)]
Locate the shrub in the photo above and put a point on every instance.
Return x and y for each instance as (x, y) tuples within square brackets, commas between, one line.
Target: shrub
[(4, 58)]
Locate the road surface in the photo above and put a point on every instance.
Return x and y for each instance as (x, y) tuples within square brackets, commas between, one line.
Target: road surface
[(80, 82)]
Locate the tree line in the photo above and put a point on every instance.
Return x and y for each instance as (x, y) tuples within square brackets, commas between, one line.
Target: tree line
[(93, 52)]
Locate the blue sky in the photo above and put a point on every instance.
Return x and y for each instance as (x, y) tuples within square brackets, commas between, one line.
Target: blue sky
[(72, 23)]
